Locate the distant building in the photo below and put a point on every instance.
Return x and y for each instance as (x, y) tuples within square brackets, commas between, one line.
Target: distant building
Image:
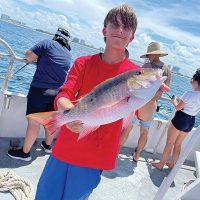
[(75, 40), (175, 69), (82, 42), (8, 19), (17, 22), (101, 49), (91, 46), (5, 17)]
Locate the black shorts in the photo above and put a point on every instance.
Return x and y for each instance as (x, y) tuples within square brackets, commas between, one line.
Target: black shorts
[(183, 122), (40, 100)]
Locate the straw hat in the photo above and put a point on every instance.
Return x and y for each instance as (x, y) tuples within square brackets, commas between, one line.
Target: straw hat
[(154, 48)]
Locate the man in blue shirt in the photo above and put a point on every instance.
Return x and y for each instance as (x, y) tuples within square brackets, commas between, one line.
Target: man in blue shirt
[(53, 61)]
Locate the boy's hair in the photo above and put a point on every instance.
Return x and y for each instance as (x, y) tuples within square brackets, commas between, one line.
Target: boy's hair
[(126, 14)]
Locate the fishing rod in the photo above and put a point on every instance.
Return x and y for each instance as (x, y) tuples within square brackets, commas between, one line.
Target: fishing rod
[(171, 97), (21, 68)]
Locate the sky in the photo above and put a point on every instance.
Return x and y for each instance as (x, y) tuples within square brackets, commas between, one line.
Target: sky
[(173, 23)]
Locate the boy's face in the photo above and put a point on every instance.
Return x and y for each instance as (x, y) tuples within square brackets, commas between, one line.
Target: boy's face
[(117, 34)]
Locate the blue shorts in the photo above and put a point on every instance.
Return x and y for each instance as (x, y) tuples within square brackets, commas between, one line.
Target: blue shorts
[(145, 124), (60, 180), (183, 122), (40, 100)]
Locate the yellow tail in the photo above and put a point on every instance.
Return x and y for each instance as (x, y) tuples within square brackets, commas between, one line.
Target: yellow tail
[(50, 120)]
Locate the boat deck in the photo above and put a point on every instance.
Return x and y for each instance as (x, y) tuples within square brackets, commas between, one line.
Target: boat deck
[(129, 181)]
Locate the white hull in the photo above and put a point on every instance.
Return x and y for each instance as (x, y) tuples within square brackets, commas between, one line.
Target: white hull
[(13, 121), (13, 124)]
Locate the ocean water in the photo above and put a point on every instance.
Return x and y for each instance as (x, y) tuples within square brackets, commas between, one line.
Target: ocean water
[(20, 39)]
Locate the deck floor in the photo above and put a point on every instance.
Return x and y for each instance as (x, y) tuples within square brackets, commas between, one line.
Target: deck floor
[(128, 181)]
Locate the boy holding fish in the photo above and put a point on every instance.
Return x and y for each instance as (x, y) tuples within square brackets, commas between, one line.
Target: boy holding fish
[(99, 92), (74, 168)]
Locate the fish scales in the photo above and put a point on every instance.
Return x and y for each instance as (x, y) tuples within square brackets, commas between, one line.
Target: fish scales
[(114, 99)]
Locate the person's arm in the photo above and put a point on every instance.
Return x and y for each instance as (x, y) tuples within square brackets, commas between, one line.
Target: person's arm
[(64, 104), (64, 100), (30, 56), (37, 50), (178, 103)]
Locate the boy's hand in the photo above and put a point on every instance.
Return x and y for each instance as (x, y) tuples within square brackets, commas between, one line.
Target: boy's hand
[(158, 95), (74, 126)]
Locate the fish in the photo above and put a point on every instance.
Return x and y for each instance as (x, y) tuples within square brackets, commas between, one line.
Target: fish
[(115, 98)]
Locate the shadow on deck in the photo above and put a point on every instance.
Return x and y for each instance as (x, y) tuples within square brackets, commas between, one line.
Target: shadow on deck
[(128, 181)]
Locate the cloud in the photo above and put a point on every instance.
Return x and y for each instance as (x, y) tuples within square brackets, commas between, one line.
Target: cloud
[(175, 26), (169, 32), (47, 3), (186, 57), (171, 23)]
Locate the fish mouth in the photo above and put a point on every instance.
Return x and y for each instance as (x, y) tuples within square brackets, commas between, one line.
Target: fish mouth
[(143, 77), (149, 90), (146, 83)]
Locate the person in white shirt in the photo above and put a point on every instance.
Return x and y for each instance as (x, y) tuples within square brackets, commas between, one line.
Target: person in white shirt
[(187, 106)]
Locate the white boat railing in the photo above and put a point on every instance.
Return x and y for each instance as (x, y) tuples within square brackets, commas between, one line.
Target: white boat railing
[(4, 102), (12, 57)]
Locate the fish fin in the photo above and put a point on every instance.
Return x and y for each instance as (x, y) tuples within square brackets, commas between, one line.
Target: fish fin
[(127, 120), (86, 129), (50, 120)]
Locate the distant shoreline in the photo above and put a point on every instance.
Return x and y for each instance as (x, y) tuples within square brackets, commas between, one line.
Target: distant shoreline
[(28, 27), (85, 45), (46, 33)]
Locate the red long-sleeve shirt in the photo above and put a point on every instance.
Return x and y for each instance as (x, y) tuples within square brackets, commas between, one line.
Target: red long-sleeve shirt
[(98, 149)]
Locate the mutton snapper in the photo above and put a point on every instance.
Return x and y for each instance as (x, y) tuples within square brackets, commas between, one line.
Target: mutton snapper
[(113, 99)]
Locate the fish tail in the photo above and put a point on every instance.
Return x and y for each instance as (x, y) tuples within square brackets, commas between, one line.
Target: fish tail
[(50, 120)]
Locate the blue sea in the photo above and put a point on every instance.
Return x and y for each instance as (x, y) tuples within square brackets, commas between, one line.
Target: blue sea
[(20, 39)]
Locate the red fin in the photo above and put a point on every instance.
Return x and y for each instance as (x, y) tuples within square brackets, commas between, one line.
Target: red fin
[(50, 120)]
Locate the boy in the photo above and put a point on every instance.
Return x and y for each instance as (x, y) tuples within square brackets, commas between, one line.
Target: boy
[(74, 168)]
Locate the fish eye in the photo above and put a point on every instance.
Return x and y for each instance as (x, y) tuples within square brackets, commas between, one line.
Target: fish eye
[(138, 73)]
